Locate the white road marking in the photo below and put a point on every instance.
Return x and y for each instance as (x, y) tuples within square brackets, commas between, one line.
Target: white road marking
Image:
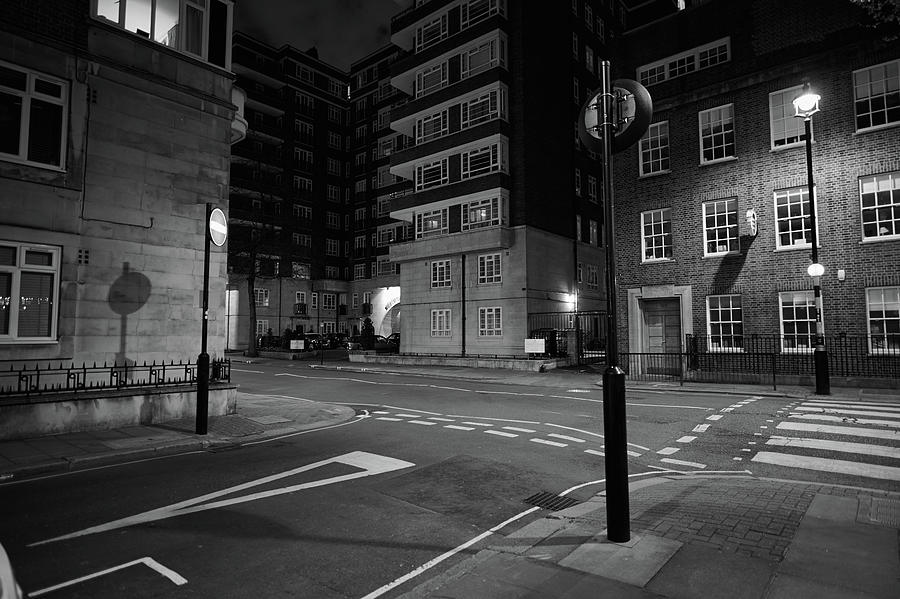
[(438, 418), (891, 406), (500, 433), (851, 431), (151, 563), (634, 454), (449, 388), (486, 418), (410, 415), (714, 417), (369, 464), (233, 369), (701, 428), (459, 428), (729, 409), (423, 422), (578, 390), (682, 463), (746, 449), (389, 419), (655, 405), (546, 442), (566, 438), (668, 450), (850, 412), (738, 459), (478, 423), (827, 418), (685, 439), (380, 412), (519, 430), (595, 452), (828, 465), (839, 446)]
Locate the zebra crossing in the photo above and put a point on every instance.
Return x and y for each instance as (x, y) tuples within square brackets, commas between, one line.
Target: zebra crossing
[(853, 438)]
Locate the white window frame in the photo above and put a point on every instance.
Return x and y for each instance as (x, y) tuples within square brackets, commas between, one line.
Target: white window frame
[(20, 252), (475, 11), (786, 130), (359, 271), (332, 247), (481, 213), (490, 269), (654, 229), (720, 224), (262, 326), (483, 161), (431, 174), (654, 155), (886, 302), (314, 300), (483, 108), (28, 97), (790, 224), (432, 222), (490, 321), (725, 323), (329, 301), (431, 32), (883, 213), (803, 342), (592, 188), (261, 296), (441, 276), (878, 81), (486, 56), (676, 65), (431, 79), (432, 126), (716, 131), (441, 320), (593, 276)]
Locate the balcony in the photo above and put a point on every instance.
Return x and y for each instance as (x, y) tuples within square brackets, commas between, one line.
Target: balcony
[(239, 123), (474, 241)]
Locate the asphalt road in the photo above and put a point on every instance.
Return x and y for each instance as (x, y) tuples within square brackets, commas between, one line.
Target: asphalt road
[(427, 466)]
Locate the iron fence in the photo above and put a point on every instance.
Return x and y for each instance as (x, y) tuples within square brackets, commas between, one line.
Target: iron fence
[(578, 335), (40, 379)]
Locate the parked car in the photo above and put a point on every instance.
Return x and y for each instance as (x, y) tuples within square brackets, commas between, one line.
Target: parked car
[(9, 588), (385, 345), (394, 338), (313, 341), (354, 342), (335, 340)]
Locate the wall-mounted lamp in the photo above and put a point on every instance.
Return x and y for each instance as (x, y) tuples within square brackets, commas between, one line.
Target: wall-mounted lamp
[(841, 274)]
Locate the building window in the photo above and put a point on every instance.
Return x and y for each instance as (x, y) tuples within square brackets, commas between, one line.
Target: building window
[(879, 197), (431, 174), (29, 291), (725, 322), (576, 90), (656, 237), (440, 273), (588, 17), (334, 140), (332, 220), (261, 295), (329, 301), (481, 213), (785, 129), (431, 33), (798, 321), (34, 115), (717, 134), (592, 188), (262, 327), (334, 114), (334, 167), (883, 310), (720, 228), (332, 247), (484, 108), (589, 58), (594, 232), (300, 297), (490, 322), (440, 323), (575, 53), (475, 11), (701, 57), (359, 271), (314, 300), (431, 223), (431, 79), (654, 151), (489, 270), (876, 95), (792, 218), (482, 161), (184, 25), (577, 227), (483, 57), (431, 127), (593, 277)]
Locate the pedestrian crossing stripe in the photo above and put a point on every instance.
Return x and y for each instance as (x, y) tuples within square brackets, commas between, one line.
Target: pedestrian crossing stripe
[(838, 446), (850, 431), (828, 465)]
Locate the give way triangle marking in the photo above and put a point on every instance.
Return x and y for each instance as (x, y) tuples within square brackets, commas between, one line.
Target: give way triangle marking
[(369, 464)]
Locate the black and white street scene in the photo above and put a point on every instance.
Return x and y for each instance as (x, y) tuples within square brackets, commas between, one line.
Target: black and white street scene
[(450, 299)]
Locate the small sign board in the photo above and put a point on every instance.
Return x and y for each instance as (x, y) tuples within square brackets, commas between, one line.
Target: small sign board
[(297, 343), (218, 227), (534, 346)]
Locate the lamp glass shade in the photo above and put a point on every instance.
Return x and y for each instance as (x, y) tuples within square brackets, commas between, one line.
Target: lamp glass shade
[(806, 104), (815, 270)]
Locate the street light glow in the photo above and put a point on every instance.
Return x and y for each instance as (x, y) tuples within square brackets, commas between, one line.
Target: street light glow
[(807, 103), (815, 270)]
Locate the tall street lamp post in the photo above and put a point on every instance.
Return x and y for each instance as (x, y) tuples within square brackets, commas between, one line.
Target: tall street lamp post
[(806, 105)]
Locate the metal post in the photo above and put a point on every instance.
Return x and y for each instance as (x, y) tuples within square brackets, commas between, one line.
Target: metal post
[(616, 459), (203, 359), (820, 354)]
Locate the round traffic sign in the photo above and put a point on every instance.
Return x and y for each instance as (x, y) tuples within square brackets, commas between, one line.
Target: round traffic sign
[(218, 227), (631, 113)]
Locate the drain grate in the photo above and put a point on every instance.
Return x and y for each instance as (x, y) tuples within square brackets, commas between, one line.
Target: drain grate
[(550, 501), (885, 511)]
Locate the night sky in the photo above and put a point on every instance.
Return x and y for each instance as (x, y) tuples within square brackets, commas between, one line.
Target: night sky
[(343, 30)]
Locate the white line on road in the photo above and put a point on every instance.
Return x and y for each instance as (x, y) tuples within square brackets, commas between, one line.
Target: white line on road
[(668, 450), (634, 454), (728, 409), (439, 419), (519, 430), (685, 439), (565, 438), (850, 412), (423, 422), (701, 428), (877, 405), (714, 417), (233, 369), (839, 446), (500, 433), (851, 431), (478, 423), (828, 465), (151, 563), (682, 463), (827, 418), (449, 388), (389, 419), (410, 415), (380, 412), (595, 452), (546, 442), (456, 427)]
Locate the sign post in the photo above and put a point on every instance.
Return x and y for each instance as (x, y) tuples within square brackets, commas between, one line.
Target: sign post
[(610, 121), (217, 232)]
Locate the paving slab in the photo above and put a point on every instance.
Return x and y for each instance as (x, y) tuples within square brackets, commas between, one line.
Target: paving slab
[(699, 571), (634, 562)]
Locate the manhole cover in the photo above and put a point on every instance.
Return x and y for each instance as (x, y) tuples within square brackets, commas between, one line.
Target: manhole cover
[(885, 511), (550, 501)]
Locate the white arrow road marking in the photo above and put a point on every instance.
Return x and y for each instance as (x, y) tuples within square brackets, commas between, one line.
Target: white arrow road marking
[(147, 561), (369, 464)]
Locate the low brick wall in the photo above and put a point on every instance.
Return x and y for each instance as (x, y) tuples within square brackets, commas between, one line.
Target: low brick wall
[(370, 357), (50, 414)]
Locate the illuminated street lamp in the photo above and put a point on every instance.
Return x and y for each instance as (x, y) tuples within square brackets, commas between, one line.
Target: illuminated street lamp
[(806, 105)]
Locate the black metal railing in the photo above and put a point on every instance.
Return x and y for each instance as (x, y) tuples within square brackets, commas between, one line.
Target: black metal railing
[(45, 379), (577, 335)]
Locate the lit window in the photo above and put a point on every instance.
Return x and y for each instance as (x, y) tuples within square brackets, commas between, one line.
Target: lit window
[(34, 114), (262, 296), (798, 320), (717, 134), (589, 58), (440, 273), (725, 322), (359, 271), (883, 310), (792, 218), (654, 149), (876, 95), (440, 323), (29, 291), (431, 223), (720, 228), (262, 327), (490, 322), (785, 129), (594, 232), (656, 236), (879, 197), (481, 213), (489, 270)]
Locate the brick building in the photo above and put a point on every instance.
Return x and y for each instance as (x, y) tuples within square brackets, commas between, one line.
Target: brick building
[(724, 149), (115, 133)]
